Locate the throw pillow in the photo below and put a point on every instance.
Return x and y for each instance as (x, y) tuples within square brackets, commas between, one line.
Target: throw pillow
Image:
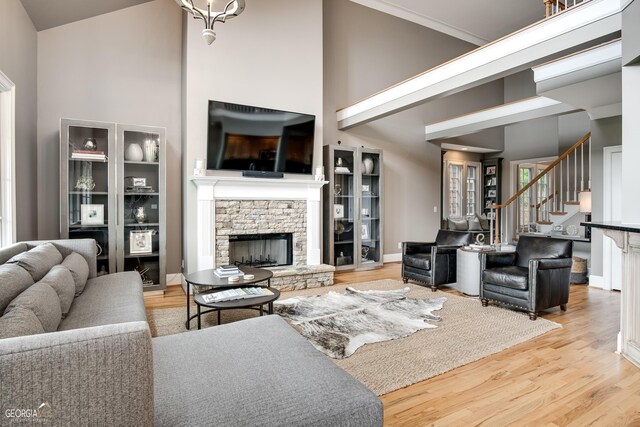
[(474, 224), (61, 280), (79, 269), (484, 222), (457, 224), (38, 260), (13, 281), (43, 301), (19, 322)]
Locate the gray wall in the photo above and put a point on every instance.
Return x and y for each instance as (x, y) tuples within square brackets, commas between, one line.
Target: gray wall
[(366, 51), (121, 67), (270, 56), (18, 59), (604, 133)]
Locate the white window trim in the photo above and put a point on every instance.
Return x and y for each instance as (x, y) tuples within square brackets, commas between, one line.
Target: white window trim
[(463, 178), (8, 161)]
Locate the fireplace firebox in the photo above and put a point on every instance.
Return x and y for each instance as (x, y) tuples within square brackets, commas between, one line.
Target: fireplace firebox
[(261, 250)]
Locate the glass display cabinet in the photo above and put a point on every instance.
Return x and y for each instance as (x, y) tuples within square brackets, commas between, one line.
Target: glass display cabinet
[(87, 179), (112, 189), (141, 199), (353, 207)]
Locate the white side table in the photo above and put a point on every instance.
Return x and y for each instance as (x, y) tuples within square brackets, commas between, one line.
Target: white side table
[(468, 271)]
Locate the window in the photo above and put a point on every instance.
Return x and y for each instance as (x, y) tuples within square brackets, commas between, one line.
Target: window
[(461, 189), (7, 141)]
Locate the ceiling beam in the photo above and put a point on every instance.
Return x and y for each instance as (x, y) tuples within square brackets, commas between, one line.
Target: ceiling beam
[(518, 51)]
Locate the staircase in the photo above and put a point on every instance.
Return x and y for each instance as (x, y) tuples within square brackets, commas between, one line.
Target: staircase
[(553, 196)]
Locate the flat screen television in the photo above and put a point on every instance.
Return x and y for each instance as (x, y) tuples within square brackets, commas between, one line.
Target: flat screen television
[(243, 137)]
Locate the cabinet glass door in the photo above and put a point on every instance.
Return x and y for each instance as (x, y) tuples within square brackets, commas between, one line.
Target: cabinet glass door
[(370, 209), (88, 174), (344, 208), (140, 199)]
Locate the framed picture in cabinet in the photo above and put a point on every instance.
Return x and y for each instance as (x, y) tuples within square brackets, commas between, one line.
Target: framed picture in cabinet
[(92, 214), (140, 241), (366, 235)]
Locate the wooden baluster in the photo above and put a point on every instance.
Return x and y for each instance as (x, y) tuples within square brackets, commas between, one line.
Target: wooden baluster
[(548, 4)]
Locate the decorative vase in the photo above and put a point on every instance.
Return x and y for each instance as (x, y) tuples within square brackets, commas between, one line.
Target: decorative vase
[(367, 165), (134, 153), (90, 144), (140, 214), (150, 150)]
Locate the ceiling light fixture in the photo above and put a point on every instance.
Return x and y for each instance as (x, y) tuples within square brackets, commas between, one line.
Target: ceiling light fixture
[(210, 17)]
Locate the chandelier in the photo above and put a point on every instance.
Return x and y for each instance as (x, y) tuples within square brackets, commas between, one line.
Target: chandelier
[(210, 17)]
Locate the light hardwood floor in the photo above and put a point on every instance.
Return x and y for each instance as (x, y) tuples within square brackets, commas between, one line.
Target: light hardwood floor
[(568, 377)]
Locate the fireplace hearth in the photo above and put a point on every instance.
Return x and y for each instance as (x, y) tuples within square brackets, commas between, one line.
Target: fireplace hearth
[(261, 250)]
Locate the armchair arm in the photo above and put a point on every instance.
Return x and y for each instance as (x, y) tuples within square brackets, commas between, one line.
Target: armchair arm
[(552, 263), (409, 248), (497, 259), (91, 375)]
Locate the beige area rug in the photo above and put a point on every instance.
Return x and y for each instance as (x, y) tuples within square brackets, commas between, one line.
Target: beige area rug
[(467, 332)]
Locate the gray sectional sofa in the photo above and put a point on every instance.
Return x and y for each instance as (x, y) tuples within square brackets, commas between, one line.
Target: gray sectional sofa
[(86, 356)]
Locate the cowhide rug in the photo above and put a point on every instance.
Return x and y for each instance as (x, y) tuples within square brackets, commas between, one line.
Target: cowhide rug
[(338, 324)]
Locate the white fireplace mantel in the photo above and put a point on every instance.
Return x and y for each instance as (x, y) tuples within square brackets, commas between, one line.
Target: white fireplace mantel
[(212, 188)]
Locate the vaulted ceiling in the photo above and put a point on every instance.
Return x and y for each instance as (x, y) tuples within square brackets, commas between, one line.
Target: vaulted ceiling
[(476, 21), (47, 14)]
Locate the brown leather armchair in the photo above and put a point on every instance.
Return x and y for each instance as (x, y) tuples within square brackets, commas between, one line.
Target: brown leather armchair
[(536, 277), (433, 263)]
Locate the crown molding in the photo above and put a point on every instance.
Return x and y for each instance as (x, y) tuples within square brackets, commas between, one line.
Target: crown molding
[(425, 21)]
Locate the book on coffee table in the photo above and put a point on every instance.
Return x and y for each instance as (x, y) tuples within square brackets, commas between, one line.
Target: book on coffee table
[(235, 294)]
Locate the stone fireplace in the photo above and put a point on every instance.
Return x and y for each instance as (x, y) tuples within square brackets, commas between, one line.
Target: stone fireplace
[(246, 217), (232, 211)]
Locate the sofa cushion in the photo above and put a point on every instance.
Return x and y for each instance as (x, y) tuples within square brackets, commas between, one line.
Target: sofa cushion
[(13, 281), (422, 261), (457, 224), (60, 279), (534, 247), (196, 384), (513, 277), (79, 270), (484, 222), (10, 251), (108, 299), (38, 261), (43, 301), (475, 224), (19, 322)]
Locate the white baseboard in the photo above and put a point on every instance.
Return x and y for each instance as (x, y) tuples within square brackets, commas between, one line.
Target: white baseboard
[(392, 257), (596, 281), (173, 279)]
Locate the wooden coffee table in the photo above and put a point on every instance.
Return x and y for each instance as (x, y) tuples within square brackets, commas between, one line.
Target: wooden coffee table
[(207, 278)]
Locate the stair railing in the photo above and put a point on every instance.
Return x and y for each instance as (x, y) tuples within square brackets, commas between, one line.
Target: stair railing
[(562, 162), (553, 7)]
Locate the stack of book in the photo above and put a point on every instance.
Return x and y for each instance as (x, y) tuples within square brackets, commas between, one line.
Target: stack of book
[(235, 294), (88, 155), (225, 271)]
